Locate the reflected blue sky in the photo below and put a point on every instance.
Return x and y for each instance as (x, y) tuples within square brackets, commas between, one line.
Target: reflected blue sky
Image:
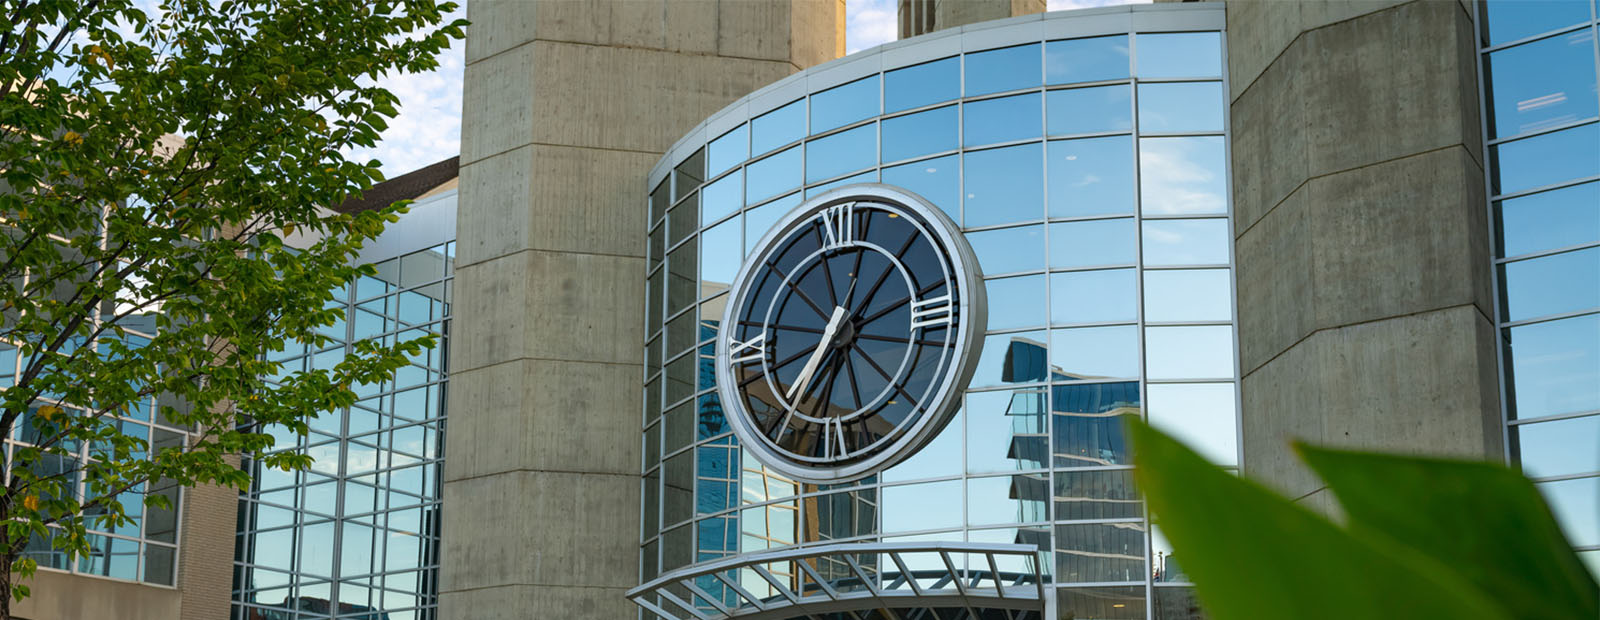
[(1091, 176), (1193, 352), (1095, 352), (1199, 414), (1020, 302), (1550, 220), (1541, 84), (842, 105), (1094, 296), (1004, 185), (1561, 447), (1509, 20), (1001, 70), (1009, 250), (918, 134), (1001, 120), (843, 152), (778, 127), (1187, 295), (1553, 366), (1577, 507), (1180, 107), (1086, 60), (728, 151), (771, 176), (1547, 159), (1553, 284), (1090, 110), (1092, 243), (1183, 175), (1185, 242), (937, 180), (920, 85), (1181, 54)]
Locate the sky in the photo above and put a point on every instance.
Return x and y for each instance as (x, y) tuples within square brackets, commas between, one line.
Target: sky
[(428, 128)]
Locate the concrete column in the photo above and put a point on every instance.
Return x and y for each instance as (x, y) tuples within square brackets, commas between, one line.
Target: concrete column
[(567, 105), (925, 16), (1362, 249)]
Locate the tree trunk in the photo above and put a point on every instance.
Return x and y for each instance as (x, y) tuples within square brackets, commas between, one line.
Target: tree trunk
[(10, 560)]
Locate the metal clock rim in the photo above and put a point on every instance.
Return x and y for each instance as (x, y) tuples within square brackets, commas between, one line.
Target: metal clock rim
[(972, 308)]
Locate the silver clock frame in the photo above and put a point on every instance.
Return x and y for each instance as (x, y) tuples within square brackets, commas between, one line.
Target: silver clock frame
[(972, 308)]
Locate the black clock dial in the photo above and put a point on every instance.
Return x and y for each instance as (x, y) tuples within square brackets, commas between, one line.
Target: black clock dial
[(844, 331)]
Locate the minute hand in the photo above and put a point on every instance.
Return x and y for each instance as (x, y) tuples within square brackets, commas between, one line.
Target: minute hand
[(804, 379)]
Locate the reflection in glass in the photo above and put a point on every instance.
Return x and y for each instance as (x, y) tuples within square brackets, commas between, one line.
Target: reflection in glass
[(1187, 295), (1091, 176), (1509, 20), (940, 457), (1100, 296), (842, 152), (1012, 358), (927, 506), (1100, 552), (1182, 175), (1004, 186), (1090, 110), (923, 84), (1577, 507), (778, 127), (689, 174), (1107, 603), (728, 151), (721, 250), (1092, 243), (682, 287), (870, 176), (1541, 84), (1554, 367), (717, 474), (721, 198), (1553, 284), (759, 220), (1201, 415), (1018, 498), (1023, 302), (1009, 250), (917, 134), (1192, 352), (1006, 430), (936, 180), (772, 176), (1000, 120), (1166, 569), (1546, 159), (1096, 494), (681, 220), (842, 105), (1549, 220), (1180, 106), (1561, 447), (1177, 603), (1180, 54), (834, 516), (1000, 70), (1185, 242), (1086, 60), (1094, 352)]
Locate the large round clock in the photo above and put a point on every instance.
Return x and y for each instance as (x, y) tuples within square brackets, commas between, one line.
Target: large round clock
[(850, 333)]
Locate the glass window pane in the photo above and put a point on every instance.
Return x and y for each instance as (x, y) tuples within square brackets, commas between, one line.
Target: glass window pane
[(1197, 352), (1509, 20), (1183, 175), (1181, 54), (1012, 358), (870, 176), (659, 199), (1166, 569), (1551, 284), (1006, 430), (924, 84), (722, 197), (1541, 84), (1001, 120), (842, 105), (1550, 220), (1091, 176), (1115, 603), (842, 152), (758, 221), (1094, 353), (1002, 69), (1554, 366), (1090, 110), (915, 507), (721, 251), (778, 127), (1201, 415), (1096, 552), (689, 174), (1009, 250), (1183, 106), (1018, 302), (683, 220), (682, 289), (1185, 242), (1092, 243), (940, 457), (728, 151), (1089, 423), (1004, 186), (1086, 60), (935, 180), (772, 176), (1018, 498), (1187, 295), (1577, 507), (1093, 296), (917, 134), (1560, 448), (158, 563), (1548, 159), (1172, 603), (1096, 495)]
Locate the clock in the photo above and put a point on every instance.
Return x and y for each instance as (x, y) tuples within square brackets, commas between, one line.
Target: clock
[(849, 334)]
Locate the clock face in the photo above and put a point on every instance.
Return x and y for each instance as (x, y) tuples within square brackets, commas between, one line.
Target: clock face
[(850, 334)]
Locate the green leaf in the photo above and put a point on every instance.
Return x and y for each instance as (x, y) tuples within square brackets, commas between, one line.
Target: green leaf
[(1484, 520), (1254, 554)]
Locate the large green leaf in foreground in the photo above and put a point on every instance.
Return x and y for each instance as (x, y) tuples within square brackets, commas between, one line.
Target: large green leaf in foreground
[(1253, 554)]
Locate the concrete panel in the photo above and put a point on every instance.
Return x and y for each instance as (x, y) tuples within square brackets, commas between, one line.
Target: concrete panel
[(587, 201), (549, 305), (545, 415), (747, 29), (548, 528), (497, 26), (61, 596), (520, 602), (496, 107), (1275, 276), (816, 32), (691, 26), (1267, 29), (1269, 123)]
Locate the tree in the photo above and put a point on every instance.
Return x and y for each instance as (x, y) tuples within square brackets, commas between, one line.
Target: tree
[(153, 162)]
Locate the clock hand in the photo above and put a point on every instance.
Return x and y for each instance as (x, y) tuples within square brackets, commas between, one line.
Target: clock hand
[(810, 368)]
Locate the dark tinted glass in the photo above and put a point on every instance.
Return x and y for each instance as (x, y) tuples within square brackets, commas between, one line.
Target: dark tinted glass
[(1002, 69), (1089, 425), (1086, 60), (921, 85)]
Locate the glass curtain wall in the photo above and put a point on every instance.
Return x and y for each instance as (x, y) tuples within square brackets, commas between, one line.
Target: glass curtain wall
[(1542, 128), (1089, 175), (357, 535)]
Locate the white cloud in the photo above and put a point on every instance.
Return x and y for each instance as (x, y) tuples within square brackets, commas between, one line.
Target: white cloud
[(869, 23), (428, 127)]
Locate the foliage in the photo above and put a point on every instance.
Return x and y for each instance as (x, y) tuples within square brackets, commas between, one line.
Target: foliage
[(1422, 538), (152, 163)]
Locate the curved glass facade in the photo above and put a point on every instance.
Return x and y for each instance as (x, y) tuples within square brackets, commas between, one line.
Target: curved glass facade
[(1086, 161), (1542, 127)]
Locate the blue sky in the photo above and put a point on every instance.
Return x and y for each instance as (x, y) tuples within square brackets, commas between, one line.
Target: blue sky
[(428, 128)]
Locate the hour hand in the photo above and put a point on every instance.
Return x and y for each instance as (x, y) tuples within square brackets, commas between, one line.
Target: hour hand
[(804, 378)]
